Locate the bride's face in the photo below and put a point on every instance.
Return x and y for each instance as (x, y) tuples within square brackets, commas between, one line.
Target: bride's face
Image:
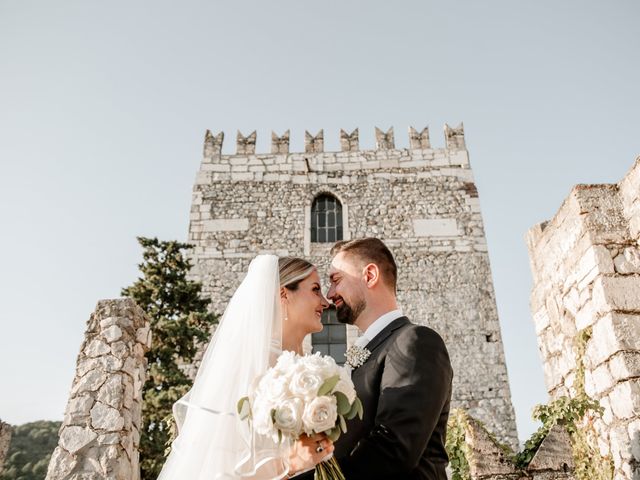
[(304, 305)]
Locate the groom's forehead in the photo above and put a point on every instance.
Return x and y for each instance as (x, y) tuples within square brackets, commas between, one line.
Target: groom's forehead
[(340, 263)]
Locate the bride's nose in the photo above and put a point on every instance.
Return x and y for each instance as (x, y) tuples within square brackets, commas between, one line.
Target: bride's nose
[(325, 303)]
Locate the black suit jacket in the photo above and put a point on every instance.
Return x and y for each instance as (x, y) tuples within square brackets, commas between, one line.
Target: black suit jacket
[(405, 388)]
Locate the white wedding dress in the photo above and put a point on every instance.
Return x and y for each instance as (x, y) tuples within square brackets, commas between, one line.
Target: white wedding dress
[(212, 442)]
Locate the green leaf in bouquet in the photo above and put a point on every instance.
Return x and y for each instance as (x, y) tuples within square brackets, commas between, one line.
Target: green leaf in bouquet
[(343, 424), (328, 385), (360, 408), (353, 411), (333, 434), (244, 409), (343, 403)]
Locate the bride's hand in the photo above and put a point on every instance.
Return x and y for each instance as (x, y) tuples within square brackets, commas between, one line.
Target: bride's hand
[(305, 455)]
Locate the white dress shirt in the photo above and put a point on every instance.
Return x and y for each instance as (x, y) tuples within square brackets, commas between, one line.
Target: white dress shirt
[(376, 327)]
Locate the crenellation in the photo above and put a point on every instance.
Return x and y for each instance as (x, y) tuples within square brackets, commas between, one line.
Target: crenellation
[(212, 144), (419, 140), (246, 145), (454, 137), (349, 141), (384, 140), (314, 144), (280, 144)]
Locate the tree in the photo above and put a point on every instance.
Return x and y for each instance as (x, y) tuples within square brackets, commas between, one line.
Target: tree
[(30, 451), (180, 324)]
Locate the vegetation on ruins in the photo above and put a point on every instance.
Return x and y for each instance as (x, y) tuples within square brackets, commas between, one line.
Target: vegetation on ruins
[(457, 447), (180, 324), (575, 414), (30, 451)]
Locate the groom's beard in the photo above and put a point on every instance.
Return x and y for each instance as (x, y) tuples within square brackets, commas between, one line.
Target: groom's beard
[(347, 313)]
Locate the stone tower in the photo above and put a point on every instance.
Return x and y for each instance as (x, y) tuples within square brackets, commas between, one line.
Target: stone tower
[(421, 201)]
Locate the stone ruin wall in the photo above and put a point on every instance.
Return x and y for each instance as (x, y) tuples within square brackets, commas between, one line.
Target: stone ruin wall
[(5, 441), (100, 433), (488, 461), (586, 270), (421, 201)]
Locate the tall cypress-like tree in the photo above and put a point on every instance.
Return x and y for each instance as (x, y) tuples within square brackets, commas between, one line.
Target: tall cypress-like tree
[(180, 323)]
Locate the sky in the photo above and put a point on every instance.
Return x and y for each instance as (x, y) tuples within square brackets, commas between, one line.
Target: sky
[(104, 105)]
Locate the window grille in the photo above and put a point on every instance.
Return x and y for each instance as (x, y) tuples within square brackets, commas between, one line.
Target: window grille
[(326, 219)]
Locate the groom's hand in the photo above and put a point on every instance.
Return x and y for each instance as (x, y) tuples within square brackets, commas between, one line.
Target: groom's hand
[(308, 451)]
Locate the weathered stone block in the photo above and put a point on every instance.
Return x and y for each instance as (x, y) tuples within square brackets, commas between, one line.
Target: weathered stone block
[(625, 399), (554, 454), (617, 293)]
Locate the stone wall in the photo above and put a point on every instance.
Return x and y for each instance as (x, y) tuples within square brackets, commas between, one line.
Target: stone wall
[(422, 202), (100, 434), (488, 461), (5, 441), (586, 271)]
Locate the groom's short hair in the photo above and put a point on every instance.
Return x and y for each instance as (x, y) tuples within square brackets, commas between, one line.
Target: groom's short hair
[(371, 250)]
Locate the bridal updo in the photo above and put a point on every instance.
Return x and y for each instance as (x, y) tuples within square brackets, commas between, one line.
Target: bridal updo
[(293, 271)]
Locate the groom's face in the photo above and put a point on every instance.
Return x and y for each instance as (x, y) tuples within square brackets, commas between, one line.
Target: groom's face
[(347, 289)]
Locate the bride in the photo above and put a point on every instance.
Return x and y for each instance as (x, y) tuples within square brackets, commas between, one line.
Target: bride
[(277, 304)]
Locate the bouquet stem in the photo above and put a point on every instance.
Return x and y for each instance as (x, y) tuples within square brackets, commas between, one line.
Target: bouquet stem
[(329, 470)]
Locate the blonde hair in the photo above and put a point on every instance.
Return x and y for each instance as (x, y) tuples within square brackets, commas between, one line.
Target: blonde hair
[(293, 271)]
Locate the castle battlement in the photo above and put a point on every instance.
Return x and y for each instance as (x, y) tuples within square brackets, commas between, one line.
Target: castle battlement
[(349, 142)]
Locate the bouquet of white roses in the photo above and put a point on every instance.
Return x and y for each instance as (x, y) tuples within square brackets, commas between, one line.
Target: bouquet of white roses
[(303, 394)]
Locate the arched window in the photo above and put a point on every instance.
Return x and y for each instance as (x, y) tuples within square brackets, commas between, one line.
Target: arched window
[(326, 219), (332, 340)]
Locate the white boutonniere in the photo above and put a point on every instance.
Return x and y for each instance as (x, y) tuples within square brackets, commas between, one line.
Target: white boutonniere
[(356, 356)]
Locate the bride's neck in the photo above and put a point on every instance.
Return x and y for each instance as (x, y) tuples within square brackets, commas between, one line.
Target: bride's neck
[(292, 346), (292, 339)]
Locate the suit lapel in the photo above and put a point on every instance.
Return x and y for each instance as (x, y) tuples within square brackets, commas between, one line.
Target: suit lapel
[(386, 331)]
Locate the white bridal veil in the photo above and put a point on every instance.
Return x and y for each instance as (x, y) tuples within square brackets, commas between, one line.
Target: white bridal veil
[(212, 442)]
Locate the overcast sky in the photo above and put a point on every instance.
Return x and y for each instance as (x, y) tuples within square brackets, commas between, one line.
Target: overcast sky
[(104, 105)]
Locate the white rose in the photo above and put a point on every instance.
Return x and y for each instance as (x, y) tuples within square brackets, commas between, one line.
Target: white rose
[(273, 388), (305, 383), (261, 416), (286, 361), (288, 416), (323, 366), (320, 414), (345, 385)]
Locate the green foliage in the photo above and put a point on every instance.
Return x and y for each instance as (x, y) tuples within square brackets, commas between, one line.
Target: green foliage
[(565, 411), (30, 451), (180, 324), (456, 446)]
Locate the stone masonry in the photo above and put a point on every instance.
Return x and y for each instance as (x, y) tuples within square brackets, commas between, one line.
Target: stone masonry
[(421, 201), (5, 441), (488, 461), (586, 270), (99, 437)]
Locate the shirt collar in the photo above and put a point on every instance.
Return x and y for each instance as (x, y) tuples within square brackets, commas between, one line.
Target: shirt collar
[(376, 327)]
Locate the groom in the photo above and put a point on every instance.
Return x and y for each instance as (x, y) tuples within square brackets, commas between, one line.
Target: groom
[(404, 383)]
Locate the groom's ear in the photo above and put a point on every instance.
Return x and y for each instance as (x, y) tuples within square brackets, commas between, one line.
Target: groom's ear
[(371, 275)]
